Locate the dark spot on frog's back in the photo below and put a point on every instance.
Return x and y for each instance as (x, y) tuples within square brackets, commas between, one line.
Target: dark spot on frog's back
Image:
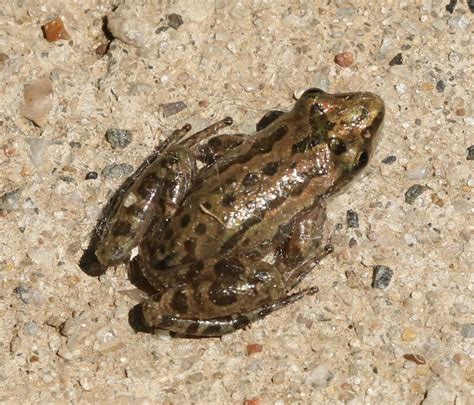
[(180, 301), (228, 200), (229, 266), (185, 220), (270, 168), (194, 270), (200, 229), (249, 179), (122, 228), (221, 294), (149, 184)]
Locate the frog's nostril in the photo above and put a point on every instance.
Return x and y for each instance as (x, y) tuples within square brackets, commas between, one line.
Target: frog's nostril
[(362, 160)]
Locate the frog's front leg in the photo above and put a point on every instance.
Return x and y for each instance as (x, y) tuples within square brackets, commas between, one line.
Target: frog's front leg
[(154, 196), (301, 244)]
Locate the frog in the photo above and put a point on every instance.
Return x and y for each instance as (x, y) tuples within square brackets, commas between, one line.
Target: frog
[(228, 225)]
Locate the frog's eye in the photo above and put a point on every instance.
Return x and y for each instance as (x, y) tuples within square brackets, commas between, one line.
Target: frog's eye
[(362, 160), (337, 146)]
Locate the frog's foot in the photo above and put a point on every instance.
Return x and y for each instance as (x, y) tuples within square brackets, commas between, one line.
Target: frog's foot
[(218, 326), (206, 133)]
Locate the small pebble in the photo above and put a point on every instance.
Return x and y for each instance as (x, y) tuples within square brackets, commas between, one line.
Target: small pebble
[(415, 358), (117, 170), (461, 22), (118, 138), (467, 330), (427, 86), (175, 21), (31, 328), (9, 200), (401, 88), (470, 153), (440, 86), (319, 377), (73, 326), (55, 30), (470, 3), (254, 348), (75, 145), (409, 334), (381, 277), (37, 100), (389, 160), (352, 219), (344, 59), (102, 49), (396, 60), (91, 175), (3, 58), (29, 296), (413, 193), (170, 109)]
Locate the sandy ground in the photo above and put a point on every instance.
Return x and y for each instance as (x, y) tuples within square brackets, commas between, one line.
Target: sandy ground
[(65, 336)]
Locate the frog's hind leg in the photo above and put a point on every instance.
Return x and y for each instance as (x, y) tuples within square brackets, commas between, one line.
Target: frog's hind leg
[(155, 193), (220, 326)]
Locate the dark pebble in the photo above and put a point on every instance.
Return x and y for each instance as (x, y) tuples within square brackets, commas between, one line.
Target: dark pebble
[(389, 160), (413, 193), (352, 219), (415, 358), (173, 108), (67, 179), (470, 153), (440, 86), (470, 3), (352, 242), (450, 7), (75, 144), (92, 175), (381, 277), (159, 30), (118, 138), (396, 60), (117, 170), (175, 21)]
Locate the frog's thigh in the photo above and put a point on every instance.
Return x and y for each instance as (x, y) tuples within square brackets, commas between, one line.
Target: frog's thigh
[(218, 146), (222, 325), (163, 183)]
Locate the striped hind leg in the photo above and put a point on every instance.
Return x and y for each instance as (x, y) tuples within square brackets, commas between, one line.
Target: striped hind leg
[(215, 327)]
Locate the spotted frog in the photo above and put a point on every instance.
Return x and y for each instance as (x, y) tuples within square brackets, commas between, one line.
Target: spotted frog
[(223, 244)]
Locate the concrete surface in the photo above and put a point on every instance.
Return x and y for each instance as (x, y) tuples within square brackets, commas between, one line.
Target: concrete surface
[(65, 336)]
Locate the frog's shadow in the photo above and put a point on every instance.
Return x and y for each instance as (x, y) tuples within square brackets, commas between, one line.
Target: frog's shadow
[(89, 263)]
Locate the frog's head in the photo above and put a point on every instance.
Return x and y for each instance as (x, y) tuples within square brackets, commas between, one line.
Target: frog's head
[(348, 123)]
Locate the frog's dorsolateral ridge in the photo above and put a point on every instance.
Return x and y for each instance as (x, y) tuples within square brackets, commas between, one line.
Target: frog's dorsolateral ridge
[(205, 235)]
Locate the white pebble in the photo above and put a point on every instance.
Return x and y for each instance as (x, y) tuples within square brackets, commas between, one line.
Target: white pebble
[(401, 88), (460, 21)]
